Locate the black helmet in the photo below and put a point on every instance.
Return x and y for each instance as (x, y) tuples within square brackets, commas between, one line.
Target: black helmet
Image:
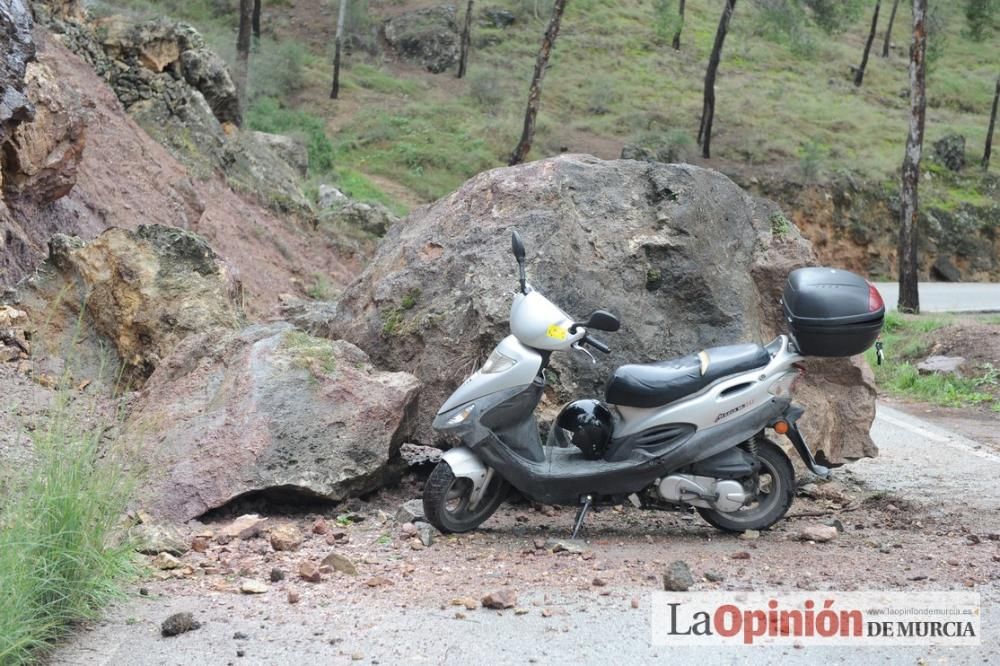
[(589, 425)]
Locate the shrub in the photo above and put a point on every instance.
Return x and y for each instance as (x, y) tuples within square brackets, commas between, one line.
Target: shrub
[(278, 70), (979, 18), (812, 156), (666, 20), (61, 545), (485, 91), (834, 16)]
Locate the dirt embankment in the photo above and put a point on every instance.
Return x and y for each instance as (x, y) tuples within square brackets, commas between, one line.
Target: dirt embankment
[(125, 179)]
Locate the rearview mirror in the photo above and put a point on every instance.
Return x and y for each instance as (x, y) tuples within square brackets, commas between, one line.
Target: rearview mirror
[(601, 320), (517, 246)]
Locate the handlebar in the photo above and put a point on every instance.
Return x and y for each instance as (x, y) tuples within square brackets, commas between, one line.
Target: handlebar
[(595, 343)]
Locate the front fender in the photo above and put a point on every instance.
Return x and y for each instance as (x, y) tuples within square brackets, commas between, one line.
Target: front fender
[(465, 463)]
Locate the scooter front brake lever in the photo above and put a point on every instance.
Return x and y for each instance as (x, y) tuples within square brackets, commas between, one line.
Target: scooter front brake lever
[(577, 346)]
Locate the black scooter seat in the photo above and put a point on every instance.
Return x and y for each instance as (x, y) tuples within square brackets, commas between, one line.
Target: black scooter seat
[(660, 383)]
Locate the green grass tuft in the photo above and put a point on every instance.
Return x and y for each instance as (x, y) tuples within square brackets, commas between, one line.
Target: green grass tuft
[(62, 542)]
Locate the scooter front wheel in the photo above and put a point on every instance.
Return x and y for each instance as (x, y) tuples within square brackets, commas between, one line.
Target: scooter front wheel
[(774, 493), (448, 500)]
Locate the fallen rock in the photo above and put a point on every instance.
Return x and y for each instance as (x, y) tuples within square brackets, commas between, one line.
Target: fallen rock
[(268, 407), (943, 269), (678, 577), (714, 577), (141, 292), (373, 219), (411, 511), (329, 196), (818, 533), (277, 575), (246, 526), (378, 581), (942, 365), (427, 37), (206, 72), (505, 598), (320, 527), (572, 546), (419, 305), (290, 150), (741, 555), (286, 537), (426, 533), (749, 535), (309, 571), (253, 587), (152, 539), (166, 562), (293, 597), (179, 623), (14, 343), (468, 602), (341, 563)]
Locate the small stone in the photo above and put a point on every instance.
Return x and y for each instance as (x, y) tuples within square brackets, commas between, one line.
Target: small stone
[(539, 544), (143, 591), (468, 602), (240, 636), (635, 602), (151, 539), (409, 528), (750, 535), (572, 546), (678, 577), (244, 527), (240, 653), (417, 545), (320, 527), (520, 611), (714, 577), (286, 537), (199, 544), (293, 597), (411, 512), (459, 615), (836, 524), (546, 612), (179, 623), (500, 599), (357, 656), (378, 581), (166, 561), (818, 533), (548, 511), (277, 575), (598, 582), (340, 563), (309, 571), (253, 587), (741, 555), (426, 532)]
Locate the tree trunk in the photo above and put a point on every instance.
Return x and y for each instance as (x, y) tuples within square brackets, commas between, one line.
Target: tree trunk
[(859, 75), (708, 106), (535, 91), (989, 132), (909, 299), (243, 49), (888, 29), (256, 19), (680, 26), (337, 42), (463, 57)]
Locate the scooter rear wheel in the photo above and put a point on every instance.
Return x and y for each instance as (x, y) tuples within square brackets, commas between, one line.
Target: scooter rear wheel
[(776, 488), (446, 500)]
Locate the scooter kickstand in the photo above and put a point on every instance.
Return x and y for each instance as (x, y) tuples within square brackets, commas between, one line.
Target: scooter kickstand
[(581, 514)]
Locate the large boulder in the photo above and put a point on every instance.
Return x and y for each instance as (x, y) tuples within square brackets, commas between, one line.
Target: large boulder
[(265, 408), (426, 37), (41, 159), (949, 150), (685, 257), (127, 297), (206, 71)]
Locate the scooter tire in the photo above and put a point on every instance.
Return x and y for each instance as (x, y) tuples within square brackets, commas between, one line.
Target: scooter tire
[(773, 458), (443, 489)]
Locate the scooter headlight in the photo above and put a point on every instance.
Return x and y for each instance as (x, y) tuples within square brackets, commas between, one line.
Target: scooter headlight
[(497, 362), (461, 416)]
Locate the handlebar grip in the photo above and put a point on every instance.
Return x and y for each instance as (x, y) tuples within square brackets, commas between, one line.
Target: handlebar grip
[(596, 344)]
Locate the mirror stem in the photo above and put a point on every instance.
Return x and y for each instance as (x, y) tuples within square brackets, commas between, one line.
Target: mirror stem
[(520, 270)]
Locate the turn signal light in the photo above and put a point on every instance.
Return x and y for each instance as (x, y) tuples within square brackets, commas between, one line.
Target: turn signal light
[(781, 427)]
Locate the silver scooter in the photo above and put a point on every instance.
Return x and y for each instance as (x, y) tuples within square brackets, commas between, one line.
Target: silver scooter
[(690, 431)]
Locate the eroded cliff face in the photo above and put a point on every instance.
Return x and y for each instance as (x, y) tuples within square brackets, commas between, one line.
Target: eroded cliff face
[(74, 161), (856, 226)]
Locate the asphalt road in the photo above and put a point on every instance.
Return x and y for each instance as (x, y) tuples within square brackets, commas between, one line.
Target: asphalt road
[(918, 461), (948, 296)]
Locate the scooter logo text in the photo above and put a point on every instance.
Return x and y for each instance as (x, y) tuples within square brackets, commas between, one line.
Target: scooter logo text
[(738, 408)]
